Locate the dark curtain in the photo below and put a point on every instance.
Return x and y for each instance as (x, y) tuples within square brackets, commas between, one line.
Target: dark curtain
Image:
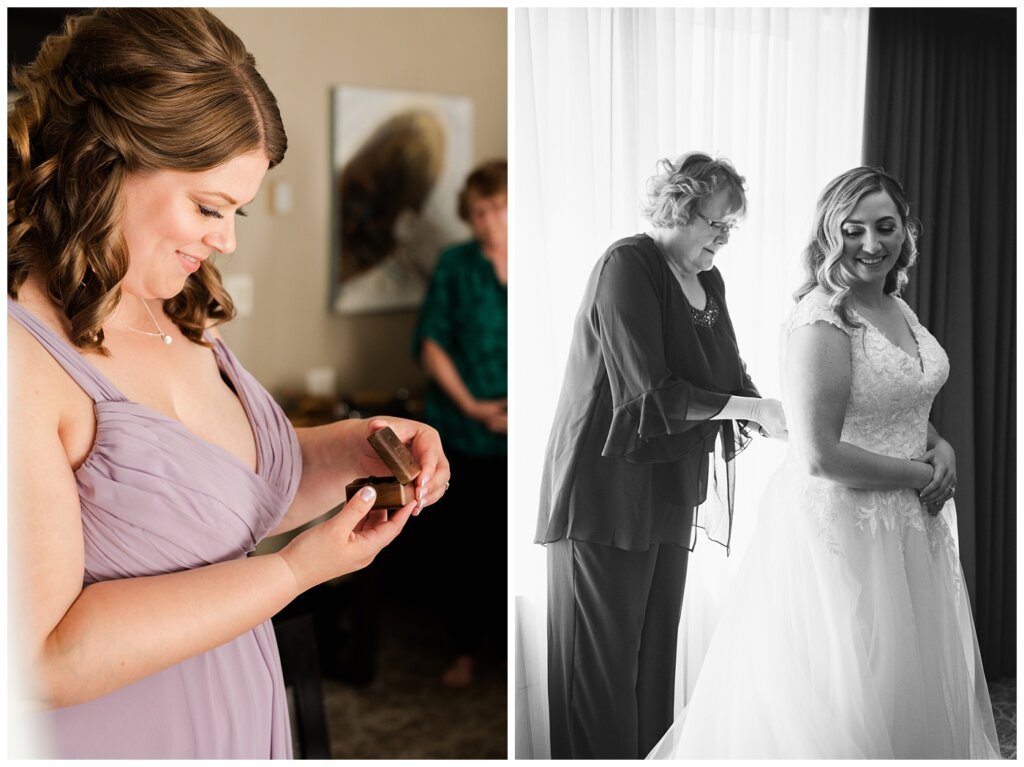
[(941, 116)]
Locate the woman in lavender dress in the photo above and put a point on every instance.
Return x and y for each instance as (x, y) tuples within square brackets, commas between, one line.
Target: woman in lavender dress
[(145, 462)]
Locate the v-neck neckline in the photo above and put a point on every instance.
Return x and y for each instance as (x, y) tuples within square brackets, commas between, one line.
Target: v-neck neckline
[(678, 282), (919, 359), (220, 353)]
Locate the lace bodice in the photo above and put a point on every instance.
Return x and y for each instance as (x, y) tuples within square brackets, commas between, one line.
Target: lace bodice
[(890, 395)]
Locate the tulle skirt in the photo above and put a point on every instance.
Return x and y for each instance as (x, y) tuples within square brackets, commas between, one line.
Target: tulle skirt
[(847, 634)]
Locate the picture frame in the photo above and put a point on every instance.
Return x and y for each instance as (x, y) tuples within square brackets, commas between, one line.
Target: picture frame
[(399, 159)]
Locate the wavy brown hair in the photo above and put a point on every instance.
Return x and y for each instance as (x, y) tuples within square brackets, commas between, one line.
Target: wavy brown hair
[(115, 92), (822, 258), (489, 179)]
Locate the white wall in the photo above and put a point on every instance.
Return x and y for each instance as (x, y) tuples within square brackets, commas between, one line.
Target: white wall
[(302, 53)]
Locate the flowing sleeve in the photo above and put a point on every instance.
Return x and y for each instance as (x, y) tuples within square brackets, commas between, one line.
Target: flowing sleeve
[(734, 438), (749, 389), (649, 400)]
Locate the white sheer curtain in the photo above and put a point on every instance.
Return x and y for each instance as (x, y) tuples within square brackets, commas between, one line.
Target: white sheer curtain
[(601, 95)]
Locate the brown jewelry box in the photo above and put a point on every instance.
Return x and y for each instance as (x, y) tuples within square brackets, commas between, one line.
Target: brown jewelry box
[(392, 492)]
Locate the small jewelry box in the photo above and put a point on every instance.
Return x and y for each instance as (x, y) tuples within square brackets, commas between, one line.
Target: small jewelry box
[(396, 491)]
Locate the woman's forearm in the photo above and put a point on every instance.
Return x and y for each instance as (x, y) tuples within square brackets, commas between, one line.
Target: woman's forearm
[(819, 372), (117, 632), (325, 472), (439, 366), (767, 413), (738, 409), (856, 467)]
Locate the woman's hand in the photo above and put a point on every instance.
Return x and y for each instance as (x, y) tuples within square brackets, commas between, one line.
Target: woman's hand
[(425, 445), (336, 454), (498, 423), (492, 413), (942, 486), (931, 507), (346, 542), (770, 417)]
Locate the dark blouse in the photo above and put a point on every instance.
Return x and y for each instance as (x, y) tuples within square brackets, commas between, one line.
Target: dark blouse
[(628, 455)]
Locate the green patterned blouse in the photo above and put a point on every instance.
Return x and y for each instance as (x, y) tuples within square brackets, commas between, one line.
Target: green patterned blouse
[(466, 313)]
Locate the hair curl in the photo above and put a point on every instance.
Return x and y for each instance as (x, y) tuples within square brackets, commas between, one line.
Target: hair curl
[(823, 255), (489, 179), (115, 92), (674, 193)]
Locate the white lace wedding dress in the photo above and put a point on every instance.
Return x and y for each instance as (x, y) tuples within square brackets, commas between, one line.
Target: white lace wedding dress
[(848, 632)]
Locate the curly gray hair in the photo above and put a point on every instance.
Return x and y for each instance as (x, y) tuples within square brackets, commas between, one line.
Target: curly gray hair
[(674, 192)]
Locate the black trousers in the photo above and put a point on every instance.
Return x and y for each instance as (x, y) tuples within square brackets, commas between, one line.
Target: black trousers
[(470, 526), (613, 617)]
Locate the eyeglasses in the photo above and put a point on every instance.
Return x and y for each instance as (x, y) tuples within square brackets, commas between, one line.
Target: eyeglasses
[(722, 227)]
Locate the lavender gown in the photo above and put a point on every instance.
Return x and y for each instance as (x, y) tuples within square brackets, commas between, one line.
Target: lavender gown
[(157, 499)]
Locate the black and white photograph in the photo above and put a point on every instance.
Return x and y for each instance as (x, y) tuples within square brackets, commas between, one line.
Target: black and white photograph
[(764, 383)]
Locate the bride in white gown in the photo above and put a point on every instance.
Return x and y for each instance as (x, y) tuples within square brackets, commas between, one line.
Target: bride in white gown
[(848, 632)]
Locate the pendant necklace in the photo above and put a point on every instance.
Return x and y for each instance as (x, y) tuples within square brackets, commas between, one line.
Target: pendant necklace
[(163, 336)]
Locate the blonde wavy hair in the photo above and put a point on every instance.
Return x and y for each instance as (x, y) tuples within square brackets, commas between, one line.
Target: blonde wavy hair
[(679, 186), (823, 255), (115, 92)]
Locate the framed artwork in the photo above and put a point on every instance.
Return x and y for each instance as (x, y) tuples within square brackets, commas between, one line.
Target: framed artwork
[(399, 159)]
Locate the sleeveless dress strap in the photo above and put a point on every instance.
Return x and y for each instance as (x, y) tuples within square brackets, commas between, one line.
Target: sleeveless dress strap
[(92, 382)]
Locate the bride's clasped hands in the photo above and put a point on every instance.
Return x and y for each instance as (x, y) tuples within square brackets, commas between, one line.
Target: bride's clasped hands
[(942, 486)]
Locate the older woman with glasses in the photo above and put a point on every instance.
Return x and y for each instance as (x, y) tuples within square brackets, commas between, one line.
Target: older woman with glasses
[(654, 379)]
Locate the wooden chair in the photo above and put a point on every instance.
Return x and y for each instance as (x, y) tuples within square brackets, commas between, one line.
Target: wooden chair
[(296, 641)]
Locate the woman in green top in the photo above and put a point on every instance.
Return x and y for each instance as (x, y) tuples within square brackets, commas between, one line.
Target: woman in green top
[(462, 343)]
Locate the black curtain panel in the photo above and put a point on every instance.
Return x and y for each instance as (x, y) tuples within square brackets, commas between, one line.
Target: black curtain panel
[(941, 116)]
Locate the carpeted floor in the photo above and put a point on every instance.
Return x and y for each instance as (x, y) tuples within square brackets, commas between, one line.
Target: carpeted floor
[(1004, 707), (406, 712)]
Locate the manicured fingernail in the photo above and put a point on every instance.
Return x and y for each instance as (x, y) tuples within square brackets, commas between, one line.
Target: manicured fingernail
[(367, 493), (424, 485)]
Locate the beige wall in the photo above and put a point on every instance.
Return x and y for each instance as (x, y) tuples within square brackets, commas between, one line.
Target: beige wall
[(302, 53)]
